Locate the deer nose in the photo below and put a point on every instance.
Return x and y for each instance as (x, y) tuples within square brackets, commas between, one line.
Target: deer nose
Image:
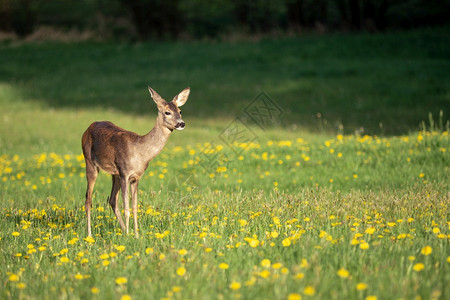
[(180, 125)]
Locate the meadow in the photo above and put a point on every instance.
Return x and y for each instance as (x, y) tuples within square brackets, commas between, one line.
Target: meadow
[(340, 192)]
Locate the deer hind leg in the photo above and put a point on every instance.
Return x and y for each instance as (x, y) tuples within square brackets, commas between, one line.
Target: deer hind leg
[(91, 176), (134, 189), (126, 204), (113, 199)]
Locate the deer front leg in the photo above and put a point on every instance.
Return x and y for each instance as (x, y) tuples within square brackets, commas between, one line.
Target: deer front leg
[(126, 204), (114, 197), (134, 189)]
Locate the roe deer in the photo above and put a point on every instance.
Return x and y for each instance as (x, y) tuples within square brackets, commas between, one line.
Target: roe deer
[(125, 155)]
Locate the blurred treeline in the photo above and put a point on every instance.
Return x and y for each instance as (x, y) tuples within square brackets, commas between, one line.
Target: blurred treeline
[(171, 19)]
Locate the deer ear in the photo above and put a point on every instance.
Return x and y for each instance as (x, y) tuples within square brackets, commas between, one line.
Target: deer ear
[(182, 97), (156, 97)]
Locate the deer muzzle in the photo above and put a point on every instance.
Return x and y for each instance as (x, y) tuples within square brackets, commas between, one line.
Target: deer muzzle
[(180, 125)]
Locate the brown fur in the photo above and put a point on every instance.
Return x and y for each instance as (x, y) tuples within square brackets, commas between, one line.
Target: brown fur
[(125, 155)]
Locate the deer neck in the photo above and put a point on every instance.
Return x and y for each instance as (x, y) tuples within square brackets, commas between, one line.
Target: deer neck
[(154, 141)]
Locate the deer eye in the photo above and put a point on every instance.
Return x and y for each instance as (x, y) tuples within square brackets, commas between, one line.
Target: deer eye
[(167, 113)]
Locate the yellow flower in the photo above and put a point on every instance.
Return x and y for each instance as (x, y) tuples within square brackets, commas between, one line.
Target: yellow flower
[(294, 297), (426, 250), (309, 291), (371, 297), (364, 246), (148, 250), (253, 243), (181, 271), (125, 297), (277, 266), (235, 285), (343, 273), (120, 248), (21, 285), (418, 267), (94, 290), (104, 256), (121, 280), (182, 252), (89, 239), (266, 263), (15, 233), (286, 242), (105, 263), (361, 286), (64, 259), (13, 277), (370, 230), (264, 273), (223, 266), (274, 234), (78, 276)]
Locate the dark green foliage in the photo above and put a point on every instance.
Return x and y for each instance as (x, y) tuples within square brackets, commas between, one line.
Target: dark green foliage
[(159, 19)]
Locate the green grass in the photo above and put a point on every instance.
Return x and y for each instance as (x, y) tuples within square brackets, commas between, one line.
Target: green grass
[(339, 214)]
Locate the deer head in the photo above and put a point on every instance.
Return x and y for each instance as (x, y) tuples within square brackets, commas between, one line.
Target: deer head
[(169, 112)]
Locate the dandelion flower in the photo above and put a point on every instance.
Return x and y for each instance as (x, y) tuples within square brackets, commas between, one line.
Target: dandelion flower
[(78, 276), (343, 273), (364, 246), (266, 263), (264, 273), (21, 285), (94, 290), (286, 242), (370, 230), (427, 250), (254, 243), (294, 297), (13, 277), (64, 259), (361, 286), (277, 266), (15, 233), (309, 291), (418, 267), (371, 297), (89, 239), (223, 266), (120, 248), (181, 271), (121, 280), (125, 297), (182, 252), (235, 285)]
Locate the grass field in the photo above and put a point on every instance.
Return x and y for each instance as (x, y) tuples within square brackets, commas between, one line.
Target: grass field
[(316, 200)]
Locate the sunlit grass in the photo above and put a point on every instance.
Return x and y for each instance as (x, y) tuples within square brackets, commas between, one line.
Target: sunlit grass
[(309, 207), (347, 217)]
